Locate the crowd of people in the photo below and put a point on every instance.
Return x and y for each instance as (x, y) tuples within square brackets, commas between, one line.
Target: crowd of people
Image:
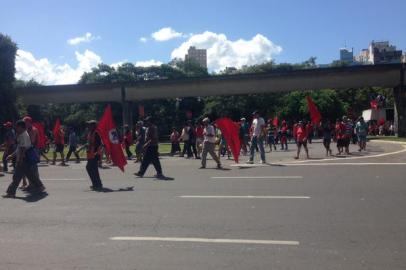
[(23, 150)]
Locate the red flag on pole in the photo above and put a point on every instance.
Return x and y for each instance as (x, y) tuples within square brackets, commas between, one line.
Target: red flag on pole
[(111, 140), (314, 112), (57, 129), (41, 131), (275, 121), (230, 131)]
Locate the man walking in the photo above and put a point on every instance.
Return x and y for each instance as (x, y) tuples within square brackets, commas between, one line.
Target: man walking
[(361, 128), (93, 156), (73, 143), (9, 145), (151, 154), (59, 141), (209, 144), (25, 158), (301, 136), (257, 139)]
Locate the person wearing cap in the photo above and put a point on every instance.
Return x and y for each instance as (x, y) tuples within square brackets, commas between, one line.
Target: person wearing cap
[(257, 139), (151, 154), (128, 141), (139, 141), (25, 157), (9, 145), (93, 155), (209, 144)]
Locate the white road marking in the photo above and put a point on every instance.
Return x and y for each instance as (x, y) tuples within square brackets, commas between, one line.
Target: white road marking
[(205, 240), (242, 197), (257, 177), (63, 179), (249, 165), (346, 164)]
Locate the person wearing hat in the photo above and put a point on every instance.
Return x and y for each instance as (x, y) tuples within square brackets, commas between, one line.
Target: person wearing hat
[(257, 139), (9, 145), (93, 155), (151, 154), (209, 144)]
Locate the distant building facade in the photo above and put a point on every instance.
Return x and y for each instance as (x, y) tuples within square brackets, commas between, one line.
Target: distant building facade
[(197, 55), (379, 52), (346, 55)]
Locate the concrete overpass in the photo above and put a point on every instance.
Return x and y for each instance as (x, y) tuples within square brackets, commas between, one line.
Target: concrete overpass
[(389, 76)]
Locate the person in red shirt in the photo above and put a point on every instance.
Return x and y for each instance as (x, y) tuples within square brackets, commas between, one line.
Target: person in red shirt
[(59, 141), (128, 142), (284, 136), (199, 138), (339, 135), (310, 131), (301, 137), (175, 138)]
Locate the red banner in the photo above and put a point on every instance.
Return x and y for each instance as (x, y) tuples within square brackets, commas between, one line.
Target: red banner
[(230, 131), (41, 132), (111, 140), (57, 132), (314, 112)]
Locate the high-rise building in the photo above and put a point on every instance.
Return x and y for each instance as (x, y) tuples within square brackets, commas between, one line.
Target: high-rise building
[(383, 53), (346, 55), (197, 55)]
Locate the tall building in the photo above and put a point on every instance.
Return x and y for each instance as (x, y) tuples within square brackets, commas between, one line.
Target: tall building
[(197, 55), (383, 53), (346, 55), (362, 57)]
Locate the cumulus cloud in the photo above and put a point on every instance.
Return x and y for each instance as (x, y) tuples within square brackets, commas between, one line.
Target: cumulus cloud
[(222, 52), (43, 71), (86, 38), (148, 63), (165, 34)]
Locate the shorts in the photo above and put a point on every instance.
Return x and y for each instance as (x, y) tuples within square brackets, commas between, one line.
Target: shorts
[(59, 148), (362, 138), (346, 142), (300, 143)]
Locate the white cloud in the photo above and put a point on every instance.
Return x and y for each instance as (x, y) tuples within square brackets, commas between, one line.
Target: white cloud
[(222, 52), (43, 71), (165, 34), (143, 39), (148, 63), (86, 38)]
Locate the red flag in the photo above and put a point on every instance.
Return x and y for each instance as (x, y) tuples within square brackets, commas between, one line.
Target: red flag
[(314, 112), (57, 129), (230, 131), (111, 140), (141, 111), (275, 121), (374, 104), (41, 131)]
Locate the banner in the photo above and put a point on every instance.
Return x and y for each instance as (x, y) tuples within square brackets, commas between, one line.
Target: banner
[(57, 129), (314, 112), (111, 140), (230, 132), (41, 132)]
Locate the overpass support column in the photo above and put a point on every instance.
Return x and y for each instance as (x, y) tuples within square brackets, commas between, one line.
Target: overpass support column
[(126, 109), (399, 94)]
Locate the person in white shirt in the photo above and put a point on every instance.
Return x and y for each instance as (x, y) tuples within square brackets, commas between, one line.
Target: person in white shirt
[(209, 144), (25, 156), (257, 138)]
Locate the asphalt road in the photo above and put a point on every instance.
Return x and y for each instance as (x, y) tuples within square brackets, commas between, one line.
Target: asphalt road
[(339, 213)]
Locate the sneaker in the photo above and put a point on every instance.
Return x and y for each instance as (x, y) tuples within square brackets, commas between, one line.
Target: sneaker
[(219, 166), (202, 167), (9, 196), (262, 162), (160, 176), (138, 174), (250, 162)]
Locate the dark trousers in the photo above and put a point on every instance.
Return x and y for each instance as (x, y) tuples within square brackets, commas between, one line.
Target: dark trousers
[(92, 168), (9, 150), (72, 149), (175, 148), (128, 151), (151, 155), (21, 170), (190, 148)]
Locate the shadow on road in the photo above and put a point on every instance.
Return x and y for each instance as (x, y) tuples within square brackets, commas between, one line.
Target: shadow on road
[(109, 190), (35, 197)]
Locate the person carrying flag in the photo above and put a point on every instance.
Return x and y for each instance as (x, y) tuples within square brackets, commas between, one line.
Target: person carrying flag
[(151, 154), (93, 155)]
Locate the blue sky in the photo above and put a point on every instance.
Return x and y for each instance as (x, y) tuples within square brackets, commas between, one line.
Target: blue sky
[(299, 28)]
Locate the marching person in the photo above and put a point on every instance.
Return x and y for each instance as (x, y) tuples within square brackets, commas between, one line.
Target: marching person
[(361, 129), (284, 136), (26, 156), (257, 139), (209, 144), (175, 137), (93, 155), (73, 144), (128, 141), (301, 136), (327, 135), (151, 154), (140, 140), (9, 145), (59, 141)]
